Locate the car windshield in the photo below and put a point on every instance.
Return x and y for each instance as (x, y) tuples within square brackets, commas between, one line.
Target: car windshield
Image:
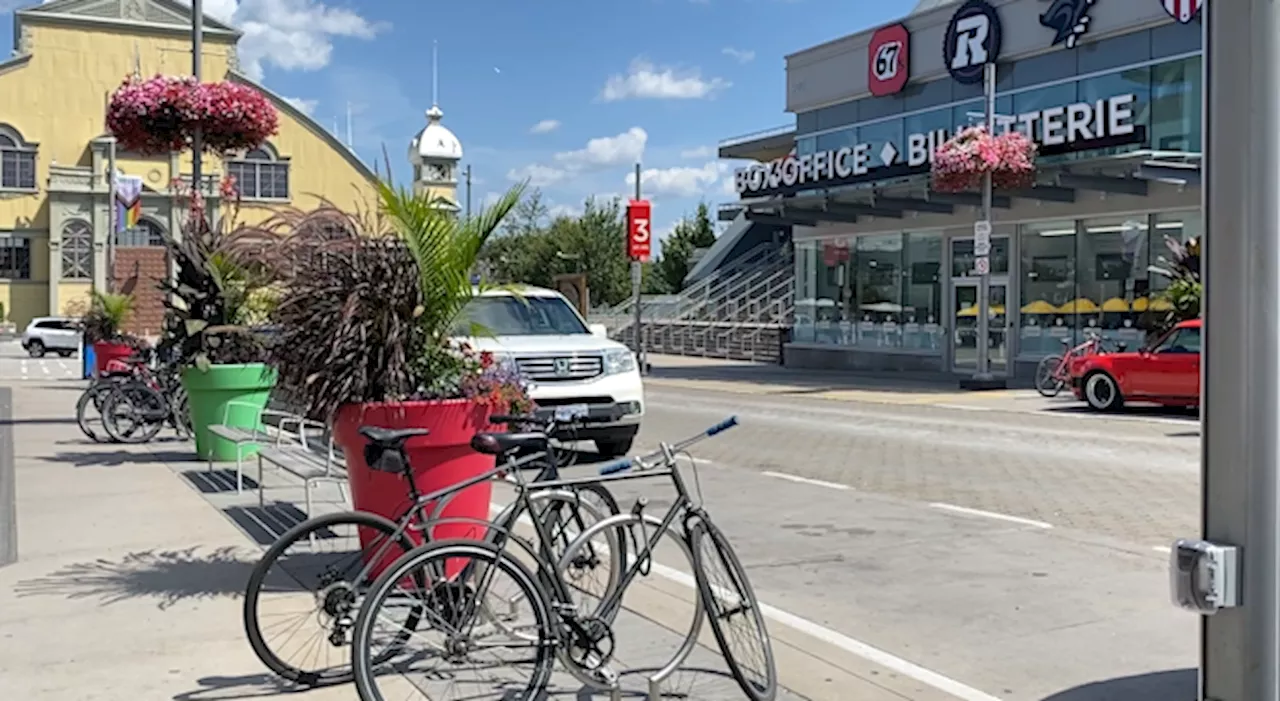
[(515, 316), (1183, 340)]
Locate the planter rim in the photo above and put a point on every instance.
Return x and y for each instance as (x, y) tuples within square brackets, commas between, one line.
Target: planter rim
[(409, 403)]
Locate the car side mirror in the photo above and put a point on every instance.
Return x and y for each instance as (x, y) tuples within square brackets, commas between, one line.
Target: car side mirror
[(598, 330)]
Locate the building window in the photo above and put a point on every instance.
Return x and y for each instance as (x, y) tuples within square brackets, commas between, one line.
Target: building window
[(922, 292), (878, 312), (1111, 276), (15, 257), (77, 250), (1048, 287), (17, 161), (1176, 92), (261, 175), (146, 233)]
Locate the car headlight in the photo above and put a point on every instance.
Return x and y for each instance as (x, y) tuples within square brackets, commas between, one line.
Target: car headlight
[(619, 361)]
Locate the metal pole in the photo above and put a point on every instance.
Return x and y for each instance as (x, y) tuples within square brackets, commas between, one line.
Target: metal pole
[(983, 372), (1240, 404), (112, 222), (197, 50), (637, 274), (8, 482), (468, 192)]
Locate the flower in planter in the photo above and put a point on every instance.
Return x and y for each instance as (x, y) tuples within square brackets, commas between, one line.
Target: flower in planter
[(370, 309), (161, 114), (962, 161)]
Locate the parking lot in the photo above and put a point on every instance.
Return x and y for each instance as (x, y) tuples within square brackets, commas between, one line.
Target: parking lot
[(16, 366)]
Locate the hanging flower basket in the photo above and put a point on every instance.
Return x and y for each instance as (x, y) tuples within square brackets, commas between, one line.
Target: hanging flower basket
[(161, 114), (961, 162)]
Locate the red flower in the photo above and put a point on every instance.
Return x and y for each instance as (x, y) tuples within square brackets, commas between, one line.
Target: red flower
[(486, 360), (161, 114)]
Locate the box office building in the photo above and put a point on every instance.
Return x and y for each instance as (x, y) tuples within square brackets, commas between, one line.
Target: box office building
[(1110, 90)]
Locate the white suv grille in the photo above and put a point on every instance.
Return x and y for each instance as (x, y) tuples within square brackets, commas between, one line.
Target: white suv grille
[(560, 368)]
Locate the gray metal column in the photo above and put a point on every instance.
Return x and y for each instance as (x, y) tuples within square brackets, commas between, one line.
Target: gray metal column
[(982, 371), (8, 482), (1240, 409)]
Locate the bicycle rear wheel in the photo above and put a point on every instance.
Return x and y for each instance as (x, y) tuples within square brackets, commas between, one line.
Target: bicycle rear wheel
[(314, 594), (89, 411), (134, 413), (728, 596), (1048, 384)]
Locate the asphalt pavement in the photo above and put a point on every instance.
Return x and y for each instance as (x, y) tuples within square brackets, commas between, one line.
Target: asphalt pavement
[(17, 366)]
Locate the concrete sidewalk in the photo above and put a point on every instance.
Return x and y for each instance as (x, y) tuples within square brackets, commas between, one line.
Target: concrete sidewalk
[(132, 563)]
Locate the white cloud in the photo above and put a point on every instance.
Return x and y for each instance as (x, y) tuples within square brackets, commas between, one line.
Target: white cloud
[(556, 211), (606, 151), (545, 126), (288, 34), (307, 107), (699, 152), (681, 181), (538, 175), (739, 55), (646, 81)]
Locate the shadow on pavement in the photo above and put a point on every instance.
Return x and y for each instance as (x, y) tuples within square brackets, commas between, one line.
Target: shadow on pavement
[(265, 524), (1192, 415), (38, 422), (119, 457), (1170, 685), (248, 686), (219, 480), (170, 576)]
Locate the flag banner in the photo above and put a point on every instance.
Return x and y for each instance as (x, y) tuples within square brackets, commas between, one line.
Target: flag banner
[(128, 201)]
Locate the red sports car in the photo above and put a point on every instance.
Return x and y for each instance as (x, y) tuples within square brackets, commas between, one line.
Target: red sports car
[(1167, 372)]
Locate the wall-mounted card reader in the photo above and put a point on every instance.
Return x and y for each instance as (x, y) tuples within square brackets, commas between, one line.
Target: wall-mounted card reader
[(1204, 577)]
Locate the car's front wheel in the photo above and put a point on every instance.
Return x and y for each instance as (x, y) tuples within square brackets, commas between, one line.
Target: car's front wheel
[(35, 349), (1102, 393), (614, 448)]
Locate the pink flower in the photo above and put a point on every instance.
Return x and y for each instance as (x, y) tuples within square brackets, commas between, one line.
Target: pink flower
[(961, 162), (160, 115)]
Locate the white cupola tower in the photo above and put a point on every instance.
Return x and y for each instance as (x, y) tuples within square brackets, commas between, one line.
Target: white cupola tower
[(435, 152)]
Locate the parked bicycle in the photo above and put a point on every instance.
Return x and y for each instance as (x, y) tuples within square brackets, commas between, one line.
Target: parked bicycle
[(338, 581), (1054, 372), (137, 405), (446, 584)]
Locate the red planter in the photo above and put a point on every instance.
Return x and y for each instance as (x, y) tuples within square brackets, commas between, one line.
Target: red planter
[(104, 353), (439, 460)]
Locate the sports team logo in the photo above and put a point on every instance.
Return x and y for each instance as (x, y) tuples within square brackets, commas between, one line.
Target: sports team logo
[(972, 40), (888, 64), (1069, 19), (1182, 10)]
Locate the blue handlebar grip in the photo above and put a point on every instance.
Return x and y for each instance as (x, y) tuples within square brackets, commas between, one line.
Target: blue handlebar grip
[(723, 426), (616, 466)]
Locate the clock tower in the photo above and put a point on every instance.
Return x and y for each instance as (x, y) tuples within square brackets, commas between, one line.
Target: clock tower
[(435, 152)]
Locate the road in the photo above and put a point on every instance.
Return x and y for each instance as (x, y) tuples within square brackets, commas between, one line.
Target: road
[(16, 366), (978, 551)]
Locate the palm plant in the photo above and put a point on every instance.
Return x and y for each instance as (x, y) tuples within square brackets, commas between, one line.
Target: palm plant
[(1182, 269), (368, 315), (107, 315)]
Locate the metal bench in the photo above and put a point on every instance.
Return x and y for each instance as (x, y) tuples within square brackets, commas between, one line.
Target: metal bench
[(242, 438), (301, 460)]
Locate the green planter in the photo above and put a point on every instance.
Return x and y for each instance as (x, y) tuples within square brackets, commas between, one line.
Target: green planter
[(234, 395)]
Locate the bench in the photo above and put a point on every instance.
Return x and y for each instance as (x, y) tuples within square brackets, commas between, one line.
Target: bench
[(286, 424), (301, 460)]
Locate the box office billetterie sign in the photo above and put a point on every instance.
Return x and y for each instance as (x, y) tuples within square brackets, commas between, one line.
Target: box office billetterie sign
[(1080, 126)]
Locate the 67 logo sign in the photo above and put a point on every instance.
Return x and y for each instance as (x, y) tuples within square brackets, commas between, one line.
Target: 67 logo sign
[(887, 60)]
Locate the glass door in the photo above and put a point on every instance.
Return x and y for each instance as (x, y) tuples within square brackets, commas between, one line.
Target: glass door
[(964, 324)]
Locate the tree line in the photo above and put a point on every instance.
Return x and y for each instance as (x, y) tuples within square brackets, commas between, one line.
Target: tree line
[(534, 247)]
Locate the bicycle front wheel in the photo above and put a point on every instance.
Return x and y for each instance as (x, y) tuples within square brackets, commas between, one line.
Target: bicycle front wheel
[(1048, 383), (134, 413), (460, 656), (729, 600), (89, 411)]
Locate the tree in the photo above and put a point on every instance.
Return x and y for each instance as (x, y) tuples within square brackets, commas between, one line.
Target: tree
[(528, 217), (690, 234)]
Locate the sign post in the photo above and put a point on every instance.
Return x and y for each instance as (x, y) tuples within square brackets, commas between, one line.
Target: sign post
[(639, 248), (982, 246)]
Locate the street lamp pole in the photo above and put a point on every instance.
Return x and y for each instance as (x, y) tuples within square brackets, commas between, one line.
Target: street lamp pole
[(197, 51), (982, 240), (637, 276), (1240, 402)]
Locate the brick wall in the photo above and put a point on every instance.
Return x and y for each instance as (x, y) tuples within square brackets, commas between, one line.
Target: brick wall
[(138, 271)]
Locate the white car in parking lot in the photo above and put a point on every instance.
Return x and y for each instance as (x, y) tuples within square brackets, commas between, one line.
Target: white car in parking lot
[(52, 334), (567, 361)]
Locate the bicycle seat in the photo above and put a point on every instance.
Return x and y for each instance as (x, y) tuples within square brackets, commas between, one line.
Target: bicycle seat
[(391, 437), (503, 443)]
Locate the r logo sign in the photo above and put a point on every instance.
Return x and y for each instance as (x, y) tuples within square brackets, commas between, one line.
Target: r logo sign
[(887, 60), (972, 41)]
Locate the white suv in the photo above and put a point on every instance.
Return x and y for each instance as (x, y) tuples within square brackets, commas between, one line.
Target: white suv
[(567, 361), (51, 333)]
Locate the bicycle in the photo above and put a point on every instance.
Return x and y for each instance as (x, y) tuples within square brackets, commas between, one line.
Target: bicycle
[(1053, 373), (338, 591), (137, 407), (454, 594), (98, 389)]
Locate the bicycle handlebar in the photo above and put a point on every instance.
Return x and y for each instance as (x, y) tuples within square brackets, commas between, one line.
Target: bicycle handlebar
[(624, 464)]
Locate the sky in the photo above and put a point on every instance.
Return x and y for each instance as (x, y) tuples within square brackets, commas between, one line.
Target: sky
[(567, 94)]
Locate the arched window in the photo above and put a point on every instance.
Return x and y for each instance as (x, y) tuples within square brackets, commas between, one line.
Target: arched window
[(146, 233), (17, 161), (261, 174), (77, 250)]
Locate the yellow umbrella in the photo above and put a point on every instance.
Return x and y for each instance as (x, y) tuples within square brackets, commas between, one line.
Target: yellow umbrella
[(1160, 304), (996, 309), (1140, 304), (1039, 307), (1115, 304), (968, 311), (1079, 305)]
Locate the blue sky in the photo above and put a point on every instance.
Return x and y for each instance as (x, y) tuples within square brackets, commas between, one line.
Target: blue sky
[(607, 81)]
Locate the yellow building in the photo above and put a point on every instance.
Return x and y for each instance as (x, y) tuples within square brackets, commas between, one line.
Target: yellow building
[(70, 56)]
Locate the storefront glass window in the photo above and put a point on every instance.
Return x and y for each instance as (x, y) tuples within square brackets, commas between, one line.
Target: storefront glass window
[(926, 122), (879, 292), (1111, 276), (836, 140), (805, 146), (962, 257), (1136, 82), (1048, 288), (1175, 105), (806, 291), (1042, 98), (1175, 226), (881, 133), (824, 293), (922, 314)]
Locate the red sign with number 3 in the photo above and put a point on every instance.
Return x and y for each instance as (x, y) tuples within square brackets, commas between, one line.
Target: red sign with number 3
[(639, 230)]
